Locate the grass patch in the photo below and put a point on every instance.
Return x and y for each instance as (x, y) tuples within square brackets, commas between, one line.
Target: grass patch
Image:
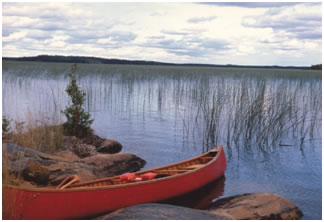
[(42, 134)]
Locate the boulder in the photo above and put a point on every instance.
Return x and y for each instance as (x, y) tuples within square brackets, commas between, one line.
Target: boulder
[(256, 206), (91, 144), (155, 211), (92, 139), (109, 146), (46, 169)]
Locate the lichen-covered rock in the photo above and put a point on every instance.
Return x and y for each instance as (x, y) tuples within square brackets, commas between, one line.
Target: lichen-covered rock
[(70, 141), (90, 145), (155, 211), (257, 206), (78, 147), (84, 150)]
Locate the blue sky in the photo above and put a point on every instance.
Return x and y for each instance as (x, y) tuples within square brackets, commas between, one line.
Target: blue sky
[(245, 33)]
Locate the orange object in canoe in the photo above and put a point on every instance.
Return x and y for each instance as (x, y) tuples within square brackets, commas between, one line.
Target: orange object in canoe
[(91, 198)]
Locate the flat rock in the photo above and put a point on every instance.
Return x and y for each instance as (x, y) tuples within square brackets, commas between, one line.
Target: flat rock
[(68, 156), (155, 211), (256, 206)]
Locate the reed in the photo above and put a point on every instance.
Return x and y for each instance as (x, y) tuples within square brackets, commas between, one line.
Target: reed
[(253, 113)]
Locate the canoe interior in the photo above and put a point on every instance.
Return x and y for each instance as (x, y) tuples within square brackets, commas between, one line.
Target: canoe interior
[(169, 170)]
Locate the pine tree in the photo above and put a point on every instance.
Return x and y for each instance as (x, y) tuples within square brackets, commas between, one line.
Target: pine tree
[(5, 126), (78, 120)]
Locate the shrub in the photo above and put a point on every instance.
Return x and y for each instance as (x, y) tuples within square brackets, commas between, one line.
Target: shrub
[(78, 120), (5, 127)]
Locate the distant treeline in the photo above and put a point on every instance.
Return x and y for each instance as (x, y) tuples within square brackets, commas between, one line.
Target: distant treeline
[(317, 67), (81, 59), (97, 60)]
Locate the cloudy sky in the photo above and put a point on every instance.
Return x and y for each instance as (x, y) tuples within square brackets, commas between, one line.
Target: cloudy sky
[(217, 33)]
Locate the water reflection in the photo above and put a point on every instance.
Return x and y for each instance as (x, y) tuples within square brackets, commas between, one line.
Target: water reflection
[(200, 198)]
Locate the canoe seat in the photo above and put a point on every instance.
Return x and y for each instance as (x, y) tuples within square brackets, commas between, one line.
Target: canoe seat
[(178, 170), (194, 166)]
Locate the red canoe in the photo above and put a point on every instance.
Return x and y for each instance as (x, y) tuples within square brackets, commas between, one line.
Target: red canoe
[(100, 196)]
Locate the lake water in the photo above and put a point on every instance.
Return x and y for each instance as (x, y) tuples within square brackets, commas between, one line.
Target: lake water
[(268, 120)]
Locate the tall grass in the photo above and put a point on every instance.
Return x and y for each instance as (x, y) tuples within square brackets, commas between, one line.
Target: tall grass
[(38, 132)]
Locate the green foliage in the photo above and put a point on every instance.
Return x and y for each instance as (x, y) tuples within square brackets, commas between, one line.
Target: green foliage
[(78, 120), (5, 126)]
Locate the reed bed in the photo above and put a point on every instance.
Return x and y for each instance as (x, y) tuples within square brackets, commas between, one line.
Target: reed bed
[(262, 109)]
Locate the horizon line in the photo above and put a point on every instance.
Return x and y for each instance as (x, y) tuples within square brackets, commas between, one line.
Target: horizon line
[(158, 62)]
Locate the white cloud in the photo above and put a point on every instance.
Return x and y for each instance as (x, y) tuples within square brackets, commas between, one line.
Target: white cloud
[(201, 19), (17, 36), (234, 33), (300, 21)]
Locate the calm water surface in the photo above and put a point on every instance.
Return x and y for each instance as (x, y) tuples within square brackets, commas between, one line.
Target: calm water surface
[(269, 121)]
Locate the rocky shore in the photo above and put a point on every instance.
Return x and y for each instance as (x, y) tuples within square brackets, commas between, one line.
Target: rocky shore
[(255, 206), (90, 158), (93, 157)]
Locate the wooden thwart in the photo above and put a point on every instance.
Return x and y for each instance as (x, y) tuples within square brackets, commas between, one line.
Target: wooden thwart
[(172, 171), (194, 166)]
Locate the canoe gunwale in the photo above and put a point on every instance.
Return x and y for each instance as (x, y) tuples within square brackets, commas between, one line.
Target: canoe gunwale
[(219, 150)]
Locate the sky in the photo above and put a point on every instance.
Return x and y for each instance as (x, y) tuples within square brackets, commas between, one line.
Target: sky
[(242, 33)]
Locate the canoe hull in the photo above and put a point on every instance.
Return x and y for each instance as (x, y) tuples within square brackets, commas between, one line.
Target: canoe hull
[(78, 203)]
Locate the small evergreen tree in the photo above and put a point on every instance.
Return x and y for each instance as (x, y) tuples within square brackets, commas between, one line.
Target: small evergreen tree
[(5, 127), (78, 120)]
